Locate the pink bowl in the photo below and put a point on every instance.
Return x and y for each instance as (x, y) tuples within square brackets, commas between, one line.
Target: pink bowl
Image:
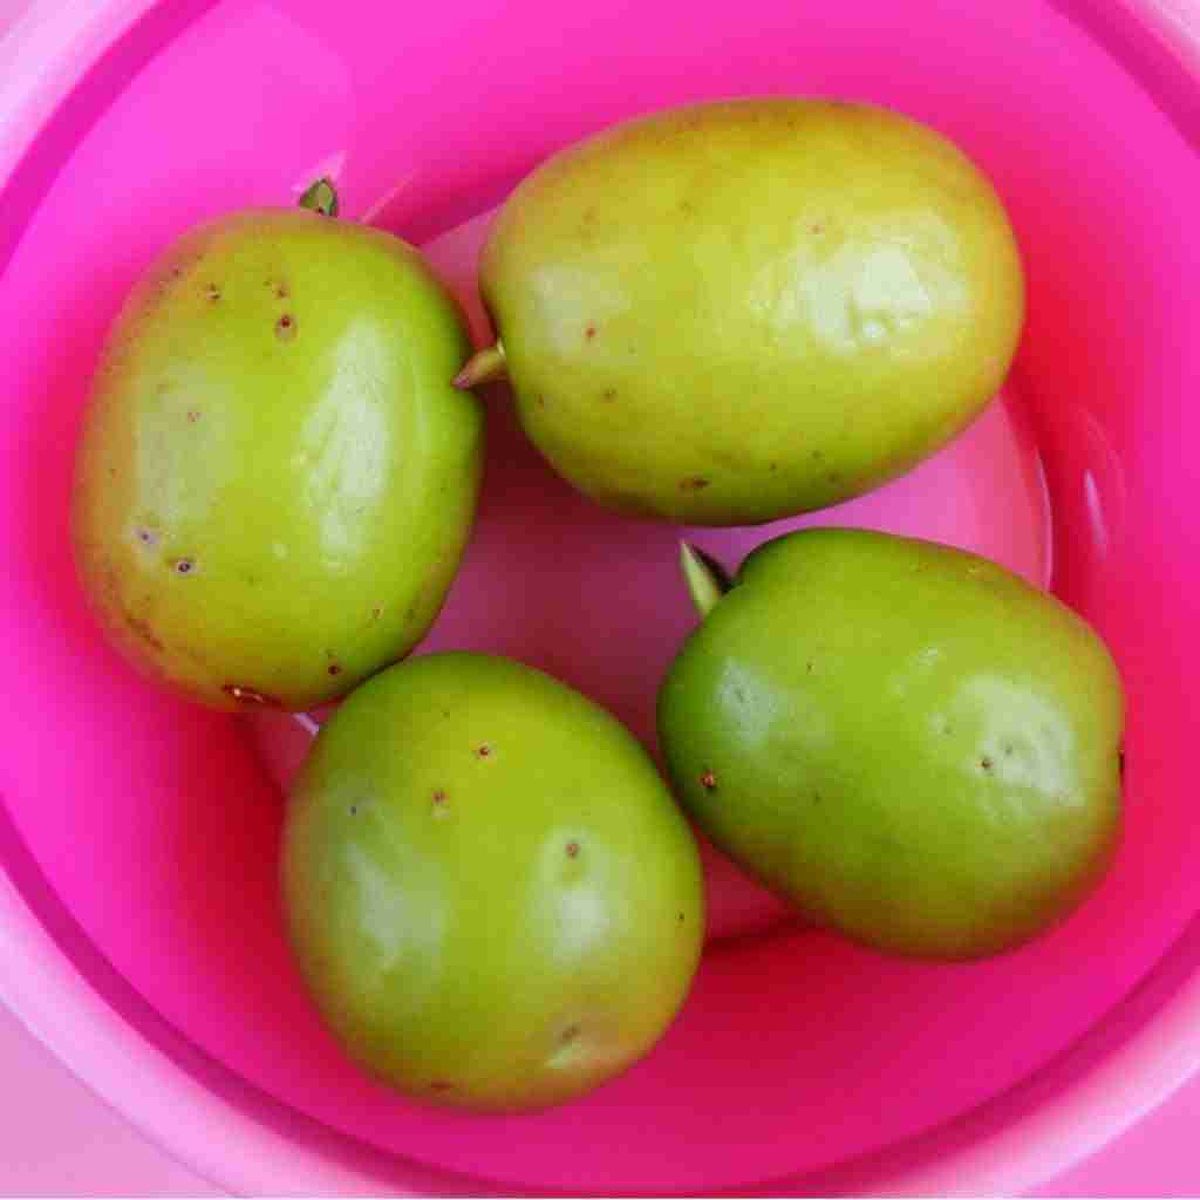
[(139, 929)]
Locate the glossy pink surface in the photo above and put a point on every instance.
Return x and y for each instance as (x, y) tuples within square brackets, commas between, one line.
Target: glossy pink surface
[(146, 831)]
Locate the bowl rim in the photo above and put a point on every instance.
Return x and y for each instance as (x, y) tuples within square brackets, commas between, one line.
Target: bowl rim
[(1145, 1048)]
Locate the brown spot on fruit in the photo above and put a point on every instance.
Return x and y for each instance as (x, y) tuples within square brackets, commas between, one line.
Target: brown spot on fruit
[(590, 331), (483, 750), (184, 566), (816, 227), (147, 536), (334, 668), (142, 629), (609, 394), (282, 291), (570, 1033), (572, 849), (213, 292), (708, 781), (376, 611), (193, 415), (285, 327), (248, 695), (985, 763), (441, 1085), (695, 483)]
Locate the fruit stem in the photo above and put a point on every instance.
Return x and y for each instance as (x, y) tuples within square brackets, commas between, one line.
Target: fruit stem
[(484, 366), (321, 197), (707, 581)]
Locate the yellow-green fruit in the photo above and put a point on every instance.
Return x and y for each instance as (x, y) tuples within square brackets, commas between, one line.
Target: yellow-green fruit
[(276, 480), (732, 312), (912, 744), (491, 894)]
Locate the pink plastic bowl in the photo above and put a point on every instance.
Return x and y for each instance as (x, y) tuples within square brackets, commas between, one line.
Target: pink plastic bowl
[(139, 928)]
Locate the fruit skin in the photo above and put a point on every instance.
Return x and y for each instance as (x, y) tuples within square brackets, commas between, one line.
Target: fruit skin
[(275, 479), (728, 313), (491, 894), (912, 744)]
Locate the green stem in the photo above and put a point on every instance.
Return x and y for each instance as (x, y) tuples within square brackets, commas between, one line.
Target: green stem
[(707, 581), (484, 366), (321, 197)]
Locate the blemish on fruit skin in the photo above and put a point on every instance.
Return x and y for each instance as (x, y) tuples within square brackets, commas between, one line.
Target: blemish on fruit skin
[(570, 1033), (193, 415), (985, 763), (572, 849), (249, 695), (708, 781), (282, 291), (440, 1085), (334, 668), (142, 629), (609, 394), (354, 810), (376, 611), (679, 917), (483, 750), (590, 331), (213, 292), (285, 327), (439, 806), (147, 536), (696, 483), (184, 566)]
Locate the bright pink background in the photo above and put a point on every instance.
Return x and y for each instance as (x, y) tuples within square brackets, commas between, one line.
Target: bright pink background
[(56, 1131)]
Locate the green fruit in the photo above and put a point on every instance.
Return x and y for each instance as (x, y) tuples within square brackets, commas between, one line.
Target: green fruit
[(276, 480), (727, 313), (492, 897), (909, 742)]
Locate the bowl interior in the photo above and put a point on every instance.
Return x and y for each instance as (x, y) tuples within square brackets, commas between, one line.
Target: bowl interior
[(155, 823)]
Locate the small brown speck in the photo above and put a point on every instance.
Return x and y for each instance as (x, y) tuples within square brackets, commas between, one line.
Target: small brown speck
[(572, 849), (439, 797), (986, 763), (376, 611), (540, 400), (193, 415), (696, 483), (440, 1085), (708, 781), (334, 668), (354, 810), (609, 394), (483, 750), (679, 918), (184, 566), (282, 291), (249, 695), (213, 292), (285, 327), (590, 332), (773, 466), (1121, 764), (808, 668), (147, 537), (833, 476), (816, 227)]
